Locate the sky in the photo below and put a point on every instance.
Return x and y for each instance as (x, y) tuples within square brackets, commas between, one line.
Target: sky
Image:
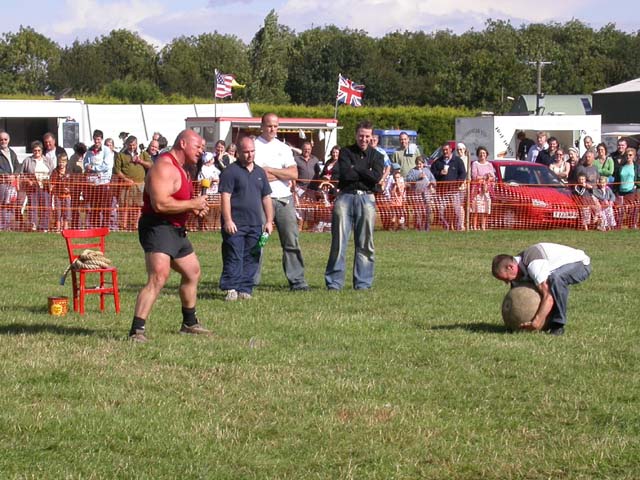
[(160, 21)]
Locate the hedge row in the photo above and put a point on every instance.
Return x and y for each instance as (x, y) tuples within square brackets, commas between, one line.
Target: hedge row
[(434, 125)]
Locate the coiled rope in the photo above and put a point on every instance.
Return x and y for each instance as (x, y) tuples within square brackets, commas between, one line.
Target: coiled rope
[(87, 260)]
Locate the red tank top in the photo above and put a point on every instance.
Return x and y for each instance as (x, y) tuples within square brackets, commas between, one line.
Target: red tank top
[(184, 193)]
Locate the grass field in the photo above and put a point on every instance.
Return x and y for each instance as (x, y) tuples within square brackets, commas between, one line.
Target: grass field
[(414, 379)]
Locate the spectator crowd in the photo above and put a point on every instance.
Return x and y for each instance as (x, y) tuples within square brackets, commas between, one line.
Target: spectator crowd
[(101, 185)]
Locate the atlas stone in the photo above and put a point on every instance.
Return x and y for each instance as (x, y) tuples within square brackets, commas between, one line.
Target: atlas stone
[(520, 304)]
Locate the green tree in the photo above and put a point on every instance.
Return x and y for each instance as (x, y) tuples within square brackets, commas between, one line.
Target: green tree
[(227, 54), (319, 55), (269, 54), (179, 68), (187, 65), (127, 56), (490, 68), (25, 58), (409, 68), (80, 68)]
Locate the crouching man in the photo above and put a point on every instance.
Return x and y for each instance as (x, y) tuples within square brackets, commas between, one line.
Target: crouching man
[(552, 268)]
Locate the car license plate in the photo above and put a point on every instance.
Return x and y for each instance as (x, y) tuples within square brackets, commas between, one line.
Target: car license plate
[(566, 215)]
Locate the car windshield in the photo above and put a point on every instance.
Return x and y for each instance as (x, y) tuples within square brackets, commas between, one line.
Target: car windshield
[(392, 142), (529, 175)]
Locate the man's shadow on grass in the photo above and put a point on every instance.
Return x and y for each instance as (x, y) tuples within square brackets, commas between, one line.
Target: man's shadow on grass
[(481, 327), (39, 328)]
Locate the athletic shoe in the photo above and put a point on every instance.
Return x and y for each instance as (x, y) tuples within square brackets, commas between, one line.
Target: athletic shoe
[(557, 330), (138, 336), (244, 296), (195, 329), (303, 288), (232, 296)]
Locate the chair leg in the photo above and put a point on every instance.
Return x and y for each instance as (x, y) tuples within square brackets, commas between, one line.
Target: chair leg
[(116, 292), (102, 294), (76, 292), (81, 293)]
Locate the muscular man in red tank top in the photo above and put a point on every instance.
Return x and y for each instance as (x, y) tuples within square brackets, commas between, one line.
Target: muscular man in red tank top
[(161, 229)]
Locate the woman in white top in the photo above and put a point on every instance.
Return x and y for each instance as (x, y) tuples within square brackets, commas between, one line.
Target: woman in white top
[(36, 171), (463, 153), (560, 166)]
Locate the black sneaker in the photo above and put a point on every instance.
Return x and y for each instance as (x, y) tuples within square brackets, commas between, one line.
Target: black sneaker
[(556, 330), (303, 288)]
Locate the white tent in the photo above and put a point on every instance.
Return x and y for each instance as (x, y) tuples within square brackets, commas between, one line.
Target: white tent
[(73, 120), (143, 120)]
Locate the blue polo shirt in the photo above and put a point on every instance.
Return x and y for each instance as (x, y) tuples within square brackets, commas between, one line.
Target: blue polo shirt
[(247, 190)]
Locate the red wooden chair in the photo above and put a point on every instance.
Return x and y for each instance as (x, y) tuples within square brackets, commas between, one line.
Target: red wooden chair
[(77, 241)]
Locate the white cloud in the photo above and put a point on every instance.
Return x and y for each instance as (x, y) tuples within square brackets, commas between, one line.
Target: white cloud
[(382, 16), (91, 18), (242, 24)]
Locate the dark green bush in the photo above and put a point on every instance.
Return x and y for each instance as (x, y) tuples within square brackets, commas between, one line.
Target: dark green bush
[(433, 124)]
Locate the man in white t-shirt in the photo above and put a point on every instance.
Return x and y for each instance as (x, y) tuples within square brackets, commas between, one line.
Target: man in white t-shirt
[(552, 268), (277, 161)]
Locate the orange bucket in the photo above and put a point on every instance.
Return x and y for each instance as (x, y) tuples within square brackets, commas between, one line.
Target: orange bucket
[(58, 306)]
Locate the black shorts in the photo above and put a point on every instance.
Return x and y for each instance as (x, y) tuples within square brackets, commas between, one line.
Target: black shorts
[(159, 236)]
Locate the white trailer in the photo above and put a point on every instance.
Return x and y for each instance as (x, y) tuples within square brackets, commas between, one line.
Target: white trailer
[(498, 133), (74, 121)]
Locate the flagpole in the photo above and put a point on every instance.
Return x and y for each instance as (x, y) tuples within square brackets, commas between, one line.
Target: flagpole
[(335, 111), (215, 97)]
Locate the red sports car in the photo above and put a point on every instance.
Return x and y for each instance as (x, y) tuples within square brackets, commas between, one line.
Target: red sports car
[(530, 196)]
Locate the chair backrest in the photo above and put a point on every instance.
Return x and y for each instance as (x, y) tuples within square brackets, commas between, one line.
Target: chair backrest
[(80, 240)]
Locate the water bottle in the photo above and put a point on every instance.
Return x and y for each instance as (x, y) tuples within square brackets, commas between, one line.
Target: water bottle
[(262, 241)]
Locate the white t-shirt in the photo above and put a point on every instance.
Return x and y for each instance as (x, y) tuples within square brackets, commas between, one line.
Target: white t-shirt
[(275, 154), (556, 255), (211, 173), (41, 171)]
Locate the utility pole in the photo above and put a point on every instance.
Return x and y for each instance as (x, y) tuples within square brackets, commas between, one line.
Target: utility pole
[(539, 64)]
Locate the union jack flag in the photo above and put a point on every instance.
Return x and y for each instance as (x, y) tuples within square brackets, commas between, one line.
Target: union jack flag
[(223, 84), (349, 92)]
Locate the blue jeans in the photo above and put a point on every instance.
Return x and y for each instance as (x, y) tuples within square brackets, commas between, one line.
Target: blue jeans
[(239, 265), (559, 282), (357, 212)]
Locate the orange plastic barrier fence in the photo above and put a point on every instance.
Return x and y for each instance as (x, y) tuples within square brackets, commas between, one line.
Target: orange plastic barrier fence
[(28, 205)]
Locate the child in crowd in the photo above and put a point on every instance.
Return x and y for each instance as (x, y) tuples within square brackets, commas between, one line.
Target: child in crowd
[(322, 211), (481, 204), (209, 178), (60, 186), (398, 193), (589, 206), (603, 193), (424, 190)]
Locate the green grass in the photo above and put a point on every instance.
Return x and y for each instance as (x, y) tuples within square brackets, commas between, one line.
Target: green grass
[(415, 379)]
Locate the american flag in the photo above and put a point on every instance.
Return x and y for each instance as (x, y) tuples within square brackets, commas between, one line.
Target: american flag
[(223, 84), (349, 92)]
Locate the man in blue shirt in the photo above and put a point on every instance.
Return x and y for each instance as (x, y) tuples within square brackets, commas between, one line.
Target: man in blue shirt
[(245, 198)]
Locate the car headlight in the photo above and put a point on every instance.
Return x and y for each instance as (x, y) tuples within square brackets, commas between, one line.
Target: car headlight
[(538, 203)]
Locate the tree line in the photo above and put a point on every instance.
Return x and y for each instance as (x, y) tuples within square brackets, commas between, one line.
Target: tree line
[(476, 69)]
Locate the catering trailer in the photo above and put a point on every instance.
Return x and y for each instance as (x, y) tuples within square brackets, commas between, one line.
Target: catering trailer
[(321, 132)]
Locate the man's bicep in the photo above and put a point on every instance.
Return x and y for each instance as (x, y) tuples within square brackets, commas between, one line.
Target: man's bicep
[(160, 185)]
